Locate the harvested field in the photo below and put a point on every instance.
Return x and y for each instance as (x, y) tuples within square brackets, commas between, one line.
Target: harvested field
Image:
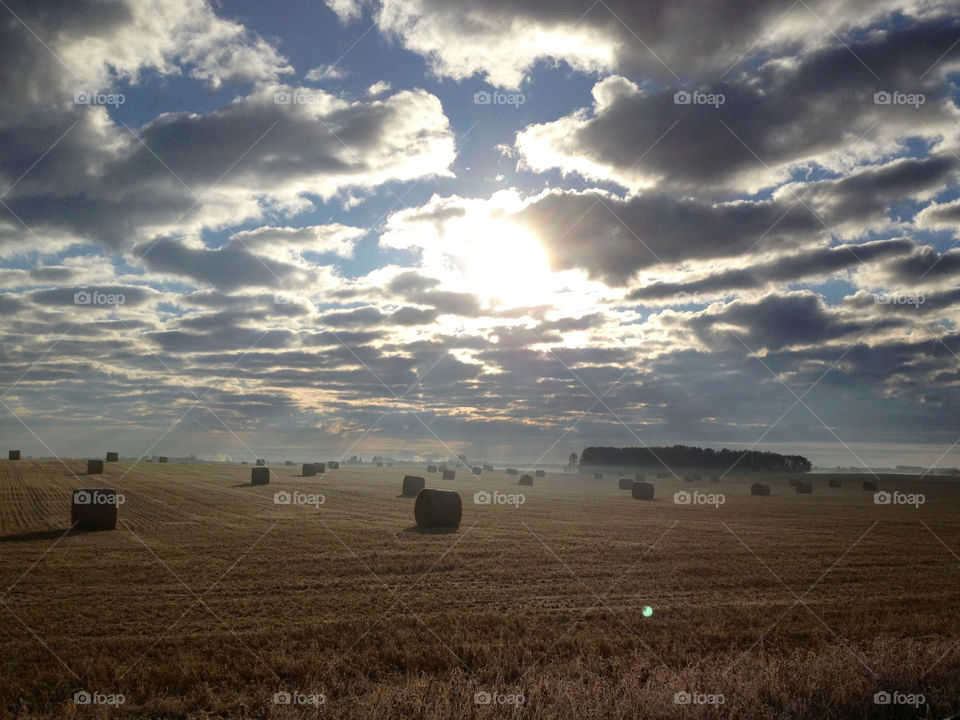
[(209, 598)]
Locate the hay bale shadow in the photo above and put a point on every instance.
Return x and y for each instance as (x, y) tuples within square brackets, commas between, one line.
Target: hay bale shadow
[(41, 535), (418, 530)]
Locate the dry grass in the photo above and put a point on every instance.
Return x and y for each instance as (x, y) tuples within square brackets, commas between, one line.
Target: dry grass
[(209, 598)]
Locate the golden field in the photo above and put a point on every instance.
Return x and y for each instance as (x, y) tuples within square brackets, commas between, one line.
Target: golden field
[(210, 598)]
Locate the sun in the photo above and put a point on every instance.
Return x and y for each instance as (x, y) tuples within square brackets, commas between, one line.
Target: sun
[(505, 264)]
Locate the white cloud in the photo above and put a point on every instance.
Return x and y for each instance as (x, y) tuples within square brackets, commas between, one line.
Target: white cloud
[(325, 72)]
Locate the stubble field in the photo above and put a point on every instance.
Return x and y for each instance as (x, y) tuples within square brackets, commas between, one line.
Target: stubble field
[(210, 598)]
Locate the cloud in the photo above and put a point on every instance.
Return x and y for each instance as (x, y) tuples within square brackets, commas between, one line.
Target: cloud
[(73, 174), (664, 38), (613, 238), (291, 242), (816, 264), (227, 268), (815, 109), (325, 72), (780, 321)]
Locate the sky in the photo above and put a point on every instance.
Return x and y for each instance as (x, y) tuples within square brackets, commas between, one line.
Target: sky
[(507, 230)]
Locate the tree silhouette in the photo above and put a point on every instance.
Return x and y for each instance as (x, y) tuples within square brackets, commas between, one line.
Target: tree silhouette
[(681, 457)]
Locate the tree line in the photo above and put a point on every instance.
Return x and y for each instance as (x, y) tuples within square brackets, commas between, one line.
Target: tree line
[(682, 457)]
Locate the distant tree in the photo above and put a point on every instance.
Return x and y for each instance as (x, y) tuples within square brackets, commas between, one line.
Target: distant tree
[(572, 461), (681, 457)]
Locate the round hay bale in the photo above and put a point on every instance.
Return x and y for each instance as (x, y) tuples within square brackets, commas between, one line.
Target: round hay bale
[(259, 476), (162, 459), (626, 483), (512, 471), (793, 482), (94, 509), (437, 508), (449, 474), (804, 487), (94, 467), (261, 462), (476, 470), (288, 463), (113, 457), (639, 478), (333, 465), (689, 478), (526, 479), (431, 468), (714, 478), (412, 484), (442, 468), (759, 489), (598, 475), (833, 482), (309, 470), (488, 468), (642, 490), (870, 485), (379, 464), (540, 473), (14, 455)]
